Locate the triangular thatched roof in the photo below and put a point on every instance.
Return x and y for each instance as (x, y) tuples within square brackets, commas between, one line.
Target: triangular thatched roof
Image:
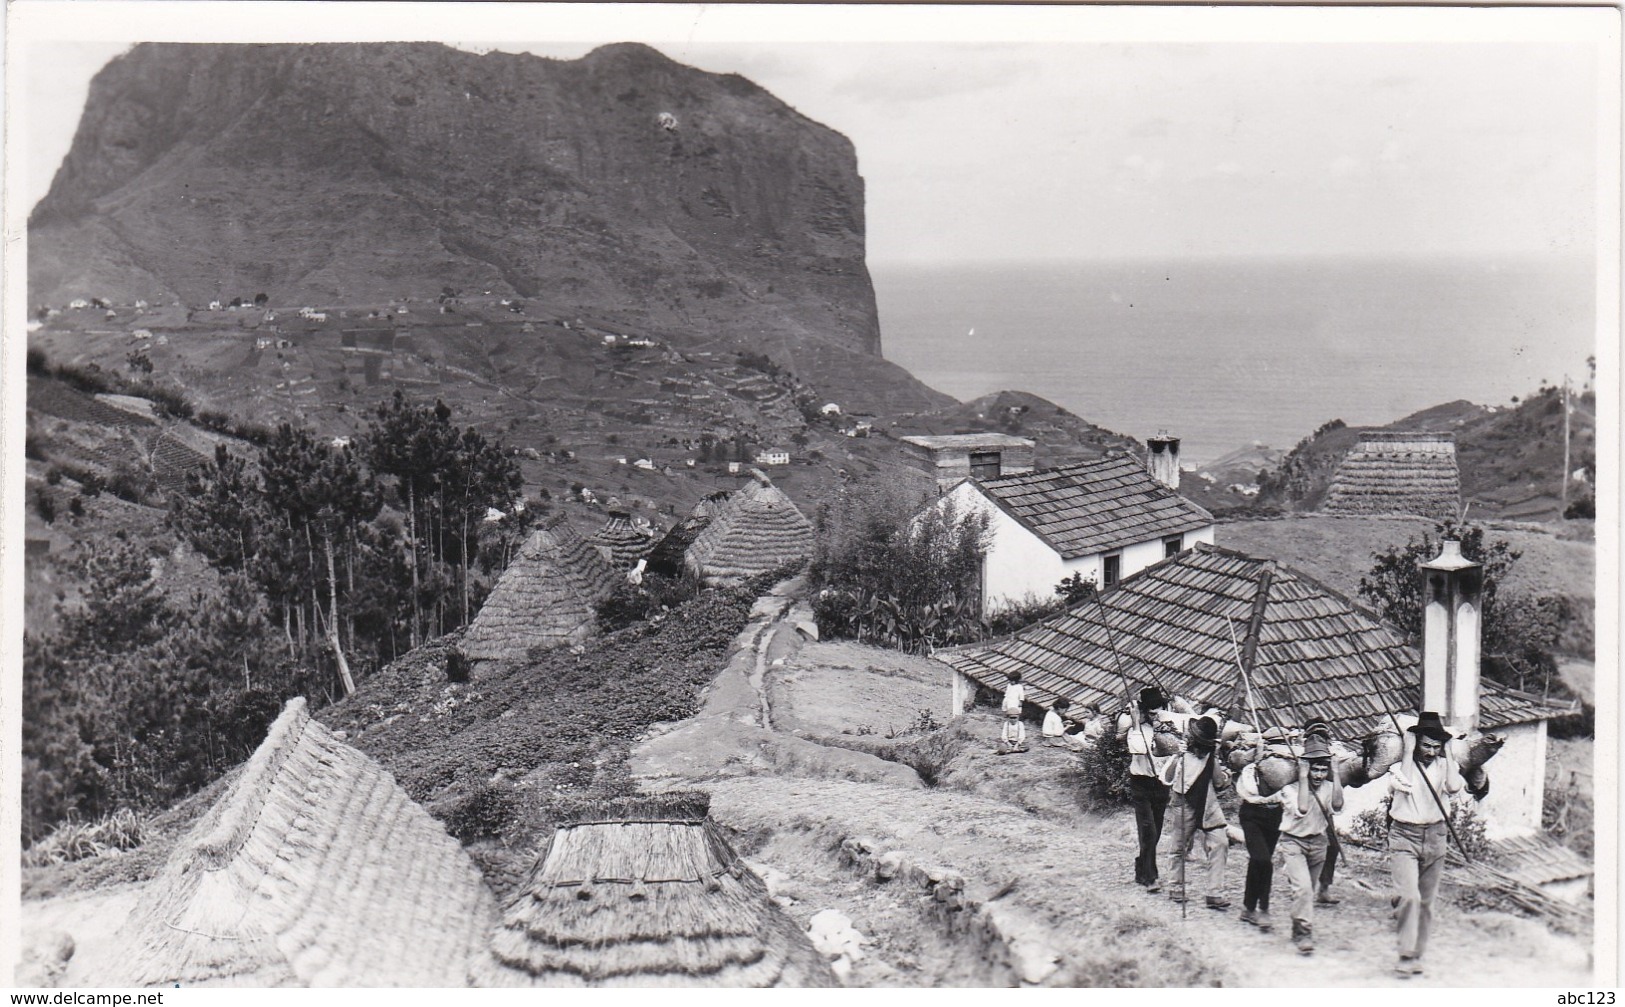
[(547, 597), (620, 543), (666, 558), (1391, 472), (645, 891), (314, 869), (757, 530)]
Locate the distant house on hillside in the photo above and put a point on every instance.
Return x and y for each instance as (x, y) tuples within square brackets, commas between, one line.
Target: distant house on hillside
[(1102, 520), (313, 868), (773, 456), (547, 597), (1391, 472), (952, 457), (1308, 651)]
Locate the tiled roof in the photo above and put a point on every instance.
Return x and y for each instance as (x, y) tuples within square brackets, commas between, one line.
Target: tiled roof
[(1171, 624), (1094, 506), (1539, 860)]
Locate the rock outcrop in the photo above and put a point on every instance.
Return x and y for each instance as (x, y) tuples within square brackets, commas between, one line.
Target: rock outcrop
[(363, 173)]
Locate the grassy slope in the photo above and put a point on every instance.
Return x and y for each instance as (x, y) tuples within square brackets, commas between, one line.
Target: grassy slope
[(1337, 552), (1511, 459), (559, 723)]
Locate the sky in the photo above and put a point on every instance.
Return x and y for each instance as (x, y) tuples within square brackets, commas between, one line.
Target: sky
[(1052, 134)]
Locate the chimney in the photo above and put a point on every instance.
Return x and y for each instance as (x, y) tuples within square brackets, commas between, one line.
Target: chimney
[(1452, 600), (1162, 459)]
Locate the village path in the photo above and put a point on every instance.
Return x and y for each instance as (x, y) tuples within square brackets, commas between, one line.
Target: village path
[(1058, 877)]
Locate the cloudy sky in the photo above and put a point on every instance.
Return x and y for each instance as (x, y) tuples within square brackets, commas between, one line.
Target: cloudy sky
[(1052, 133)]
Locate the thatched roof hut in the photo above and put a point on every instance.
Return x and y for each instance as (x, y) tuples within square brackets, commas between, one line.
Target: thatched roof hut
[(1391, 472), (757, 530), (645, 891), (314, 869), (547, 597), (621, 544), (666, 559)]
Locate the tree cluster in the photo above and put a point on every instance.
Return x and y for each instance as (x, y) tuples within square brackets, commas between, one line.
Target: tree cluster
[(1520, 634), (894, 571), (330, 559)]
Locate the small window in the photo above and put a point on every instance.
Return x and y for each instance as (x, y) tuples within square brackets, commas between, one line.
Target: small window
[(1171, 546), (1112, 569), (984, 464)]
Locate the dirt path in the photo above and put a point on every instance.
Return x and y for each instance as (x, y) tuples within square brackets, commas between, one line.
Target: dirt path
[(1044, 877)]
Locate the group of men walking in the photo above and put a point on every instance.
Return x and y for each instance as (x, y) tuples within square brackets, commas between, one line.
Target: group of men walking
[(1174, 782)]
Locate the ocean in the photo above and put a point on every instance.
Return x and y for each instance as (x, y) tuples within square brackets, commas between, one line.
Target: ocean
[(1224, 353)]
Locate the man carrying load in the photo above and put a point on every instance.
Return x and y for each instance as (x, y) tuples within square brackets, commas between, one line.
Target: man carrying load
[(1418, 833)]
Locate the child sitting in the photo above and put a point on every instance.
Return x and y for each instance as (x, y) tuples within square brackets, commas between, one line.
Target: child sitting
[(1055, 733)]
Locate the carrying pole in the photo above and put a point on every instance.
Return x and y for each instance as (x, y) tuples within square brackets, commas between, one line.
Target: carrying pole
[(1247, 688)]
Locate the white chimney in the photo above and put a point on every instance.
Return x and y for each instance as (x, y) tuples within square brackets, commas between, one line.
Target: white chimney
[(1452, 601), (1162, 459)]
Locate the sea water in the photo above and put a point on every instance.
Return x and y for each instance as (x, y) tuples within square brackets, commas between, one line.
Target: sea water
[(1228, 352)]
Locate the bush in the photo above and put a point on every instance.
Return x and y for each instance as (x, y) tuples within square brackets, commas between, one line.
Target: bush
[(1018, 615), (930, 755), (73, 840), (45, 507), (490, 810), (908, 570), (1103, 767)]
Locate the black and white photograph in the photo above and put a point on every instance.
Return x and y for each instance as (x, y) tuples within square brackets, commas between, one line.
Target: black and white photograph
[(653, 495)]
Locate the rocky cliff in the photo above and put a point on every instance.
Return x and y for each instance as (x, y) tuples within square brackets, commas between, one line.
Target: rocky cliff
[(363, 173)]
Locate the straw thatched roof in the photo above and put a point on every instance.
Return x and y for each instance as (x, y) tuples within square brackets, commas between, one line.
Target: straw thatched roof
[(547, 597), (667, 557), (620, 543), (314, 869), (757, 529), (1391, 472), (645, 891)]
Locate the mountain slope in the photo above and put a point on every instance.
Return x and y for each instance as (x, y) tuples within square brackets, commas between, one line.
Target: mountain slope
[(363, 173)]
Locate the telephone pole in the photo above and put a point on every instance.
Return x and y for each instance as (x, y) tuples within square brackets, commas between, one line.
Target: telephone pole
[(1565, 443)]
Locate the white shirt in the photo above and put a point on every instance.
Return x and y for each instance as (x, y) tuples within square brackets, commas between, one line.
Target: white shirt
[(1014, 695), (1054, 726)]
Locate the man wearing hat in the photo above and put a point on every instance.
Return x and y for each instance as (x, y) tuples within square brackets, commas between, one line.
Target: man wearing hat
[(1316, 726), (1306, 817), (1417, 834), (1146, 791), (1195, 778)]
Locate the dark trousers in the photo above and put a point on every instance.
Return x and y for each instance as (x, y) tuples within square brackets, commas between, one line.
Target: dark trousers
[(1150, 799), (1261, 825), (1332, 850)]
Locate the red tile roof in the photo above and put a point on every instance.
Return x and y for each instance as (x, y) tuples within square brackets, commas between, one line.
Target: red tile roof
[(1316, 652), (1095, 506)]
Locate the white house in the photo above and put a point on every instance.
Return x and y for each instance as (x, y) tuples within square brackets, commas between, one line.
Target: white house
[(773, 456), (830, 409), (1103, 519)]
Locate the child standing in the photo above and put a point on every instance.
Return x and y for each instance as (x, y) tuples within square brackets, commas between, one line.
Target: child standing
[(1015, 732)]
